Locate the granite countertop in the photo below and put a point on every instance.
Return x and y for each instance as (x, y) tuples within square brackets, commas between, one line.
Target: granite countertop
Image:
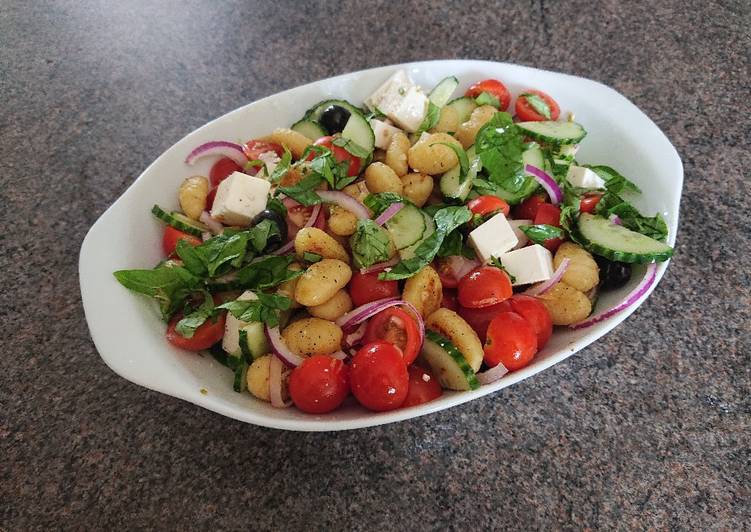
[(649, 427)]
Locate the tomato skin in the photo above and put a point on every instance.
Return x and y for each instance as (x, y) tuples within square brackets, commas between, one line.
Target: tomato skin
[(209, 333), (494, 87), (449, 300), (300, 213), (222, 169), (527, 113), (340, 154), (254, 148), (550, 215), (483, 287), (397, 327), (171, 237), (527, 210), (379, 377), (366, 287), (479, 318), (483, 205), (589, 202), (531, 309), (510, 341), (319, 385), (423, 387)]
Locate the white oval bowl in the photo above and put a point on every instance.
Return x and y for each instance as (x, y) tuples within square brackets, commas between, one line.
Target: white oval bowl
[(126, 328)]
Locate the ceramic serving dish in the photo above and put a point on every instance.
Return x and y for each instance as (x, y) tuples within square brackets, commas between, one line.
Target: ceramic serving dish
[(126, 328)]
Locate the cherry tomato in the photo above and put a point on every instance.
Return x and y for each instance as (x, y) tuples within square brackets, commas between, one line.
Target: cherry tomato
[(511, 341), (379, 377), (483, 287), (366, 287), (483, 205), (589, 202), (494, 87), (172, 235), (423, 387), (319, 385), (446, 273), (298, 215), (254, 148), (397, 327), (206, 335), (210, 199), (340, 154), (527, 209), (531, 309), (550, 215), (480, 318), (527, 113), (449, 300), (222, 169)]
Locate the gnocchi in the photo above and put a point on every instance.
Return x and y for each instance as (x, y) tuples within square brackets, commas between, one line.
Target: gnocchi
[(424, 291), (312, 336), (192, 196), (449, 324), (321, 281), (381, 178), (582, 272), (430, 155), (467, 131), (258, 377), (314, 240), (341, 221), (396, 154), (417, 188), (334, 308), (295, 142), (566, 304)]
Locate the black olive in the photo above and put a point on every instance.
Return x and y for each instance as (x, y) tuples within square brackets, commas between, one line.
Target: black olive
[(277, 219), (613, 274), (334, 118)]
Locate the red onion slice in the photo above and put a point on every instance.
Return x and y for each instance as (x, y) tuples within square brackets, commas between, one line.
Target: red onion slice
[(339, 355), (543, 287), (389, 213), (615, 219), (276, 375), (493, 374), (547, 182), (286, 248), (214, 225), (280, 349), (353, 338), (380, 266), (218, 147), (345, 201), (649, 279)]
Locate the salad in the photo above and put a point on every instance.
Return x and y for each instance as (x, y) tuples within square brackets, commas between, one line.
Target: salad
[(390, 250)]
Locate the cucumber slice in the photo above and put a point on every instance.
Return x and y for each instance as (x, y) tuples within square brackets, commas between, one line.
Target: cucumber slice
[(179, 221), (463, 107), (553, 132), (409, 252), (406, 227), (310, 129), (357, 129), (442, 92), (450, 185), (253, 341), (602, 237), (448, 363)]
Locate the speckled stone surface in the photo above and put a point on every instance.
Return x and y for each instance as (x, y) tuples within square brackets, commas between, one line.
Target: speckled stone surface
[(649, 427)]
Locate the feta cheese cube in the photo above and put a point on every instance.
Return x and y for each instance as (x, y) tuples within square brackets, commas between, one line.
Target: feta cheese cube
[(527, 265), (383, 133), (493, 238), (239, 198), (582, 177), (400, 100), (519, 233)]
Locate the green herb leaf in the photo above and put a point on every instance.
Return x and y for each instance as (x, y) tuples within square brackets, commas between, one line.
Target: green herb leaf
[(500, 146), (282, 167), (187, 326), (569, 215), (462, 156), (265, 309), (452, 244), (304, 191), (244, 349), (267, 272), (495, 261), (614, 181), (311, 257), (192, 259), (370, 244), (541, 232), (653, 227), (485, 98), (431, 119), (259, 235), (540, 106), (351, 146), (169, 285), (229, 247), (381, 201), (276, 205)]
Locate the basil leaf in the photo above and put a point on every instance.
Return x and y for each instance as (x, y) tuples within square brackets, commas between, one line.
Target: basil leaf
[(540, 106), (265, 309), (380, 201), (653, 227), (351, 146), (259, 235), (187, 326), (192, 259), (370, 244), (267, 272), (311, 257), (569, 215), (276, 205), (500, 146), (485, 98), (614, 180), (449, 218), (169, 285), (463, 159), (304, 191), (452, 245), (229, 247), (431, 119), (495, 261), (541, 232), (282, 167)]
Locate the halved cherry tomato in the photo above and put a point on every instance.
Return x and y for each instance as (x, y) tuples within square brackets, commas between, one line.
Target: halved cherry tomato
[(527, 113), (171, 237), (254, 148), (511, 341), (479, 318), (423, 387), (319, 385), (494, 87), (298, 215), (397, 327), (366, 287), (340, 154), (449, 300), (206, 335), (378, 376), (589, 202), (446, 273), (484, 286), (222, 169), (483, 205), (531, 309), (527, 209), (550, 215)]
